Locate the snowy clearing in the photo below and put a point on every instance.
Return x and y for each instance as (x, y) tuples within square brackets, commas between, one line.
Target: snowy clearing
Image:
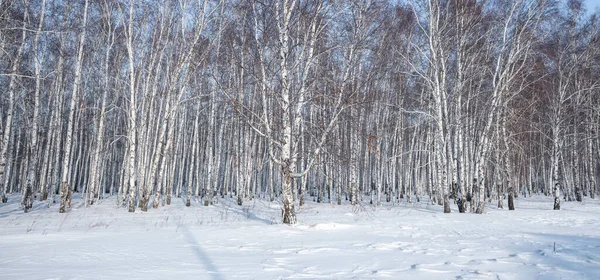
[(226, 241)]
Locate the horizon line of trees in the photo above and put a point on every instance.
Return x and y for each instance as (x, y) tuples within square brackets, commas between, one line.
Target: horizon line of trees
[(459, 101)]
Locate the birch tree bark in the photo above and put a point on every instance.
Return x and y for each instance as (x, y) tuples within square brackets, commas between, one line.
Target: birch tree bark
[(57, 124), (66, 188), (516, 44), (11, 104), (27, 200), (95, 184), (436, 79)]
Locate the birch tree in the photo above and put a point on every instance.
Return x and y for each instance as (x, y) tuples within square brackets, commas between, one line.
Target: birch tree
[(298, 100), (66, 188), (12, 87), (27, 200), (109, 32)]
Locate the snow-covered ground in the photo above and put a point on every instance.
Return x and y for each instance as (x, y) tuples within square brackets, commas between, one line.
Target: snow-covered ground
[(226, 241)]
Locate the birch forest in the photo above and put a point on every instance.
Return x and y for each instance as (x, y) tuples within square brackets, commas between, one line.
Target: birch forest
[(461, 103)]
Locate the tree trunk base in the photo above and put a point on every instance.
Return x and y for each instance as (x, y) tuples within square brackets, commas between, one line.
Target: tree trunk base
[(446, 204), (288, 213), (511, 201), (215, 198), (92, 196), (462, 205), (69, 198), (27, 199), (578, 194), (43, 196), (28, 204), (144, 203), (480, 208), (63, 198), (131, 205)]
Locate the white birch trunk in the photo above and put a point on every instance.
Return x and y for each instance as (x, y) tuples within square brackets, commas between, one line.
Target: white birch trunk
[(354, 142), (210, 140), (165, 172), (46, 174), (555, 180), (65, 187), (57, 126), (283, 13), (27, 200), (97, 157), (132, 114), (193, 188), (11, 104)]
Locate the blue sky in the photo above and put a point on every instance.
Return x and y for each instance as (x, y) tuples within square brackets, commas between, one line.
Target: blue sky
[(592, 4)]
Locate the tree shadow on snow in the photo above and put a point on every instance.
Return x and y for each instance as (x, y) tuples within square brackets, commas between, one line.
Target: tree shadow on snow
[(10, 213), (248, 214), (245, 211), (213, 271), (11, 200), (13, 206)]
